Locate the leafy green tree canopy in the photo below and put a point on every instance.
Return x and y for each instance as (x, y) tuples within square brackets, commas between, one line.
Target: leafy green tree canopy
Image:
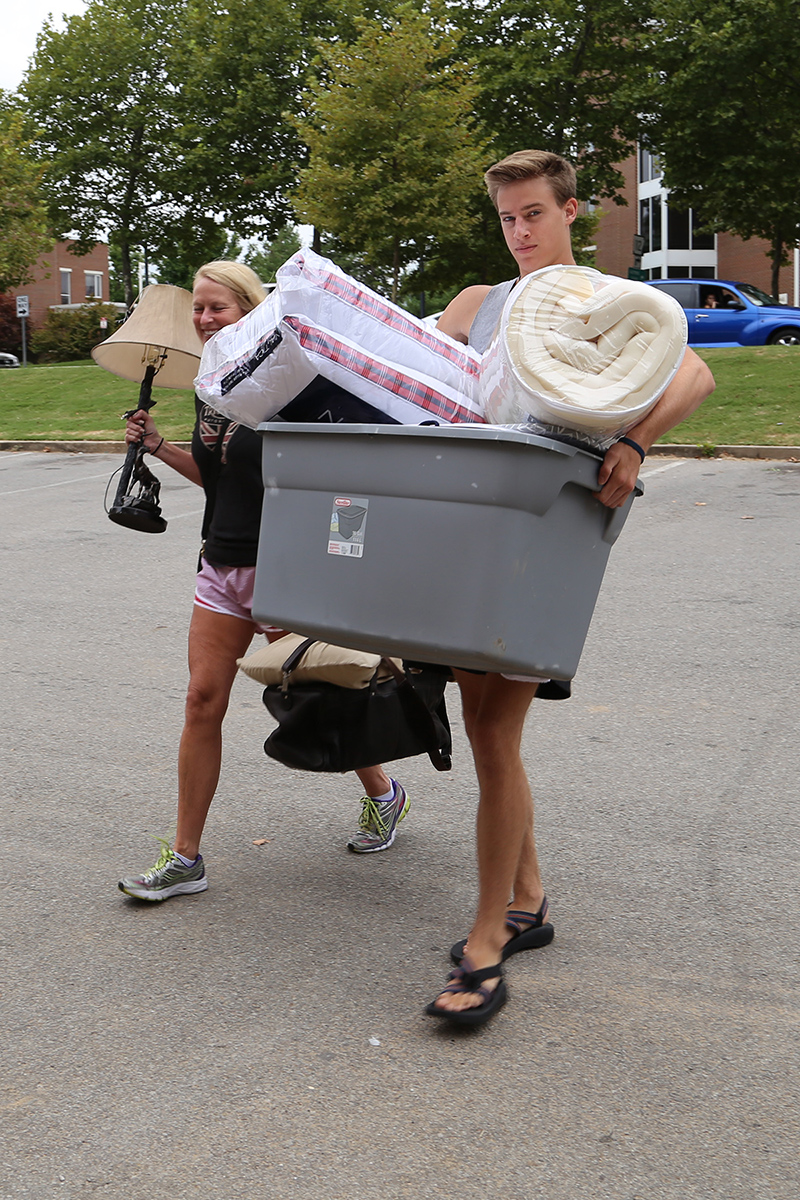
[(192, 247), (395, 156), (242, 66), (103, 95), (266, 259), (162, 119), (560, 75), (24, 233), (724, 115)]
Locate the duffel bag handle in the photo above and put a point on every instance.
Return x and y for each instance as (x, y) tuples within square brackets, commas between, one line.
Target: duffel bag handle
[(292, 661), (419, 717)]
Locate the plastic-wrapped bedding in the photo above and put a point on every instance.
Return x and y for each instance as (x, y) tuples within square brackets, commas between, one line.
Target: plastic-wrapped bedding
[(580, 351), (320, 322)]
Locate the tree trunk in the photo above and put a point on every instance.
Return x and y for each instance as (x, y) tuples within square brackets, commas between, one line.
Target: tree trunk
[(396, 270), (777, 256), (127, 281), (316, 241)]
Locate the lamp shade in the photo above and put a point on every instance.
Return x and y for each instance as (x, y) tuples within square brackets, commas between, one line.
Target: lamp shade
[(159, 330)]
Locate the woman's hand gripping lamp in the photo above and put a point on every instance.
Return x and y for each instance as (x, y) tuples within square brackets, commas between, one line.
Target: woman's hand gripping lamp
[(157, 346)]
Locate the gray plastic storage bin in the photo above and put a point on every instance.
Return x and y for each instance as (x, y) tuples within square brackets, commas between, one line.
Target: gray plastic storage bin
[(470, 545)]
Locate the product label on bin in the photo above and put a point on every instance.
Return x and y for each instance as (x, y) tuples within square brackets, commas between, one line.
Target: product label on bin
[(348, 526)]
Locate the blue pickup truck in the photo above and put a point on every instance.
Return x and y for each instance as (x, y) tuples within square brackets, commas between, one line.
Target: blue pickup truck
[(723, 312)]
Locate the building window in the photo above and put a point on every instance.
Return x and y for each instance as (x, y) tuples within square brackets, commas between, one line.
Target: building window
[(66, 285), (94, 285), (677, 228), (650, 223), (649, 166), (656, 236), (644, 224)]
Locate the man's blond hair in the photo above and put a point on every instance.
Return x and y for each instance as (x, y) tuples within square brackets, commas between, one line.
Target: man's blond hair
[(533, 164)]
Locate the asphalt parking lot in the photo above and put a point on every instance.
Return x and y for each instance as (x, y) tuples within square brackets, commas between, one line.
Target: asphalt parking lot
[(267, 1038)]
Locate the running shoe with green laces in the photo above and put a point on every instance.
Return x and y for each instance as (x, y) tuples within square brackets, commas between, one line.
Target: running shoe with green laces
[(168, 877), (378, 823)]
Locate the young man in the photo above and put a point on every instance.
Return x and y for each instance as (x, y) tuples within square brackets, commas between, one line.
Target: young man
[(534, 193)]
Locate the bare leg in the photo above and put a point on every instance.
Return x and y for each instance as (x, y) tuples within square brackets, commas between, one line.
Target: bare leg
[(374, 781), (215, 642), (527, 891), (494, 713)]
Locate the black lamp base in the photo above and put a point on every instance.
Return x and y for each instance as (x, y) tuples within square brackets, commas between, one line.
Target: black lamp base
[(136, 513)]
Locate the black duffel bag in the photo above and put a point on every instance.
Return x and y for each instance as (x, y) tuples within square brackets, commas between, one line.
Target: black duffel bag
[(323, 727)]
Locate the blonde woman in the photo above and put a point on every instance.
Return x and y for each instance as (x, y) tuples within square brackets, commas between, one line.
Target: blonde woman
[(225, 460)]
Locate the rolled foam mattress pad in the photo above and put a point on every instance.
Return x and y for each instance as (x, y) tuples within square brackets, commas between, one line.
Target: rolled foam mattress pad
[(581, 350), (320, 322)]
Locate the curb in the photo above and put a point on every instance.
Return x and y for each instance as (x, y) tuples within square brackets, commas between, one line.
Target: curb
[(777, 453), (79, 447)]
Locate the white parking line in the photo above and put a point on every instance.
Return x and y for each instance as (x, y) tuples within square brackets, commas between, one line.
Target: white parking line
[(196, 512), (667, 467), (40, 487)]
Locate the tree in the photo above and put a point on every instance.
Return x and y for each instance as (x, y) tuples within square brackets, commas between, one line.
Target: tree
[(243, 65), (191, 248), (162, 119), (553, 76), (103, 94), (724, 116), (394, 154), (563, 76), (266, 259), (24, 235)]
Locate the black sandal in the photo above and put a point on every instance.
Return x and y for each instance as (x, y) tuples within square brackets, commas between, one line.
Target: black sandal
[(538, 933), (465, 979)]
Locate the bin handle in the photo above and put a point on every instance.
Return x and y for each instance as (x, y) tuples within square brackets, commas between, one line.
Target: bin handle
[(585, 475)]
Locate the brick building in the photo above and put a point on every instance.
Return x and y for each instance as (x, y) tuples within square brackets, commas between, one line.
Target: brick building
[(62, 280), (672, 246)]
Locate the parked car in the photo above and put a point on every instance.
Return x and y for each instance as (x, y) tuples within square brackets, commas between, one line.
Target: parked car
[(724, 312), (8, 360)]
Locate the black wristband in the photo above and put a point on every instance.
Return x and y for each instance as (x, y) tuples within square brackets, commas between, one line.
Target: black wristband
[(158, 447), (634, 446)]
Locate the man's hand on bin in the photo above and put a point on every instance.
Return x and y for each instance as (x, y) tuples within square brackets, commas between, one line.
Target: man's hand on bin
[(617, 476)]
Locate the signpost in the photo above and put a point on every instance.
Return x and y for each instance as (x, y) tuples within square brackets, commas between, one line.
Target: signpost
[(636, 272), (23, 311)]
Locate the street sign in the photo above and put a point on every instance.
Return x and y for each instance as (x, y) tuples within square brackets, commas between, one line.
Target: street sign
[(23, 306), (635, 273), (638, 245)]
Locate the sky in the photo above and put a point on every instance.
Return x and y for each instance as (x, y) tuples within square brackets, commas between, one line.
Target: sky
[(21, 23)]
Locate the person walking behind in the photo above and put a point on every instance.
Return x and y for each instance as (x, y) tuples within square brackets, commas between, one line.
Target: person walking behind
[(225, 460)]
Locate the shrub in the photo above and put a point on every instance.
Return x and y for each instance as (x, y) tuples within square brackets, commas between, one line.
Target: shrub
[(72, 333)]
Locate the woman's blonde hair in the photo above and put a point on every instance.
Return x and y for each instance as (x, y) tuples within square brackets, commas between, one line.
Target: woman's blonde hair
[(242, 281)]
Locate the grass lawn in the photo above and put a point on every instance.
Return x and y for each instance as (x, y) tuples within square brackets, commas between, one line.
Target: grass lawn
[(82, 402), (757, 402)]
